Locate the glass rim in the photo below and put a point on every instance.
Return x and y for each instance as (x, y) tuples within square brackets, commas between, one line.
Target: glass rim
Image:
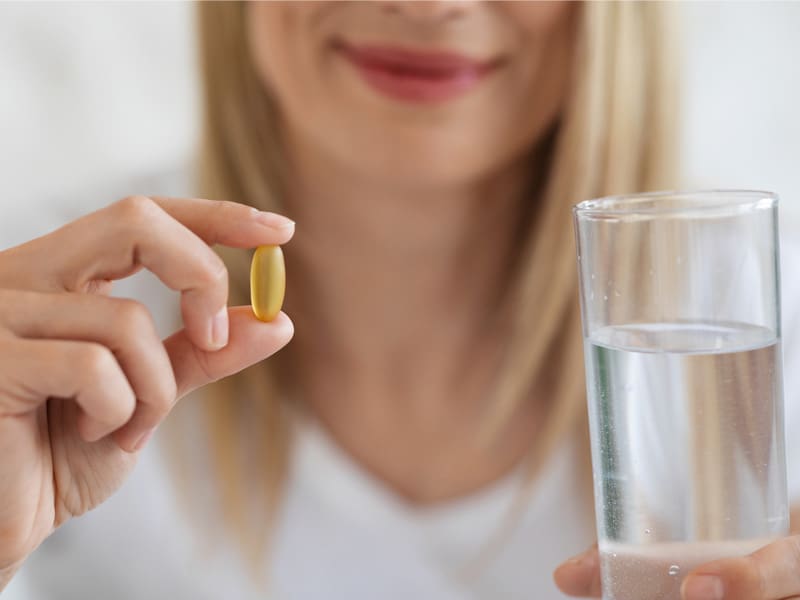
[(694, 201)]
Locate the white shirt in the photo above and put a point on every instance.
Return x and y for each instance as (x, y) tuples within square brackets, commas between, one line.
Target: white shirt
[(343, 535)]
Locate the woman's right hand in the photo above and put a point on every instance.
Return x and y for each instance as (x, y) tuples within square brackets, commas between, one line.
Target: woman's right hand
[(84, 378)]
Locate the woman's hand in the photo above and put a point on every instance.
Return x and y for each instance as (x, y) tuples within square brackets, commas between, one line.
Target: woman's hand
[(84, 379), (771, 573)]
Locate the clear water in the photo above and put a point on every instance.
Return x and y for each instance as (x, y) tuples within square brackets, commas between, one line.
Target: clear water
[(688, 450), (656, 571)]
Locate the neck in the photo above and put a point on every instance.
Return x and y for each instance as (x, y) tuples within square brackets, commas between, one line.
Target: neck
[(396, 294)]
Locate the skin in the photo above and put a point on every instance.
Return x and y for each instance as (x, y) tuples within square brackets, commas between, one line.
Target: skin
[(380, 188), (79, 399), (407, 213), (770, 573)]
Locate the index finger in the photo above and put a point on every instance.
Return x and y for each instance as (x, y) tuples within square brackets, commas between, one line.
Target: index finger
[(168, 236), (228, 223)]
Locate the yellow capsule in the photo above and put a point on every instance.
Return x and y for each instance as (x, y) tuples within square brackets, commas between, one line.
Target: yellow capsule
[(267, 282)]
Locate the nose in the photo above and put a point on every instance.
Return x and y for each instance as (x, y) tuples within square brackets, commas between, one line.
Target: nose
[(432, 11)]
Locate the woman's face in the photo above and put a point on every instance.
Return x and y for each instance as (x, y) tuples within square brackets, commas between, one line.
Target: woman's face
[(428, 93)]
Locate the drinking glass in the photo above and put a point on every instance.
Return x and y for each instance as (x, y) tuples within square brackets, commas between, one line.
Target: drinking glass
[(681, 324)]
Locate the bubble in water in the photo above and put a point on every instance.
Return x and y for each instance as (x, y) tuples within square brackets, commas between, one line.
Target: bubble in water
[(674, 570), (648, 531)]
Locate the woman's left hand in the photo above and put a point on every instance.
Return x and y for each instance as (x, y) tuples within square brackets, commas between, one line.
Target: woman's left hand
[(771, 573)]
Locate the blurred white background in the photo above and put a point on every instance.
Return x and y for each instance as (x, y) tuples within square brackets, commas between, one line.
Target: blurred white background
[(94, 95), (97, 96)]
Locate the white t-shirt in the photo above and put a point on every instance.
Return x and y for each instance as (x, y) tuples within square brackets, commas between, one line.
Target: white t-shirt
[(343, 535)]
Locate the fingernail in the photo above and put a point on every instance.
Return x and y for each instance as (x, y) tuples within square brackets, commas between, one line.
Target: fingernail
[(702, 587), (143, 439), (272, 219), (584, 559), (575, 560), (219, 328)]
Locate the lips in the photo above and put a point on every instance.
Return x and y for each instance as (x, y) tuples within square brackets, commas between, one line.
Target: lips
[(416, 76)]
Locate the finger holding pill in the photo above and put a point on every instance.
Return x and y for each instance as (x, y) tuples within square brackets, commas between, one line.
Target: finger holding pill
[(86, 378)]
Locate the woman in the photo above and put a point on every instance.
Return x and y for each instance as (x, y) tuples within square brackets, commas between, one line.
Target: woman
[(422, 436)]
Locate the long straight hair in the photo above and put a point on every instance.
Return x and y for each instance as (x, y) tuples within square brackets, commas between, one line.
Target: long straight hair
[(616, 134)]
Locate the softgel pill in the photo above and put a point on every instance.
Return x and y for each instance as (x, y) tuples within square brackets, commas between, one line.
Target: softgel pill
[(267, 282)]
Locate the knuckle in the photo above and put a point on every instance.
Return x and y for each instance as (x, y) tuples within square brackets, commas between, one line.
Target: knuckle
[(123, 407), (227, 209), (95, 361), (221, 207), (157, 414), (136, 210), (100, 368), (214, 273), (132, 318), (170, 392), (164, 399)]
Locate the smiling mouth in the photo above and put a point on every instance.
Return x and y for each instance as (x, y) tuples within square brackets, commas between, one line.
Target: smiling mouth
[(416, 76)]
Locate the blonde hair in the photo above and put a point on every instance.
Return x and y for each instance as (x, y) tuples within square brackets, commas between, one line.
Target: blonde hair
[(615, 135)]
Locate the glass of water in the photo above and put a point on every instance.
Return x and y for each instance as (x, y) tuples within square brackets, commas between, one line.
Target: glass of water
[(681, 323)]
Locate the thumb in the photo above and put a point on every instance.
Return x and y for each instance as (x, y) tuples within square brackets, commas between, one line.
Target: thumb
[(580, 575), (249, 341)]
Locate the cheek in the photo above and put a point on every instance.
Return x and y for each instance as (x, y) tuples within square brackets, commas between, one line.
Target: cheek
[(279, 48), (537, 85), (537, 18), (290, 54), (263, 35)]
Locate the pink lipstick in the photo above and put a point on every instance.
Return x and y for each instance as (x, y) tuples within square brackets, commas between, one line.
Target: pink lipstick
[(416, 76)]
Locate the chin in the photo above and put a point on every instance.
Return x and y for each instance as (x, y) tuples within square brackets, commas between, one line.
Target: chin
[(410, 154), (423, 169)]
